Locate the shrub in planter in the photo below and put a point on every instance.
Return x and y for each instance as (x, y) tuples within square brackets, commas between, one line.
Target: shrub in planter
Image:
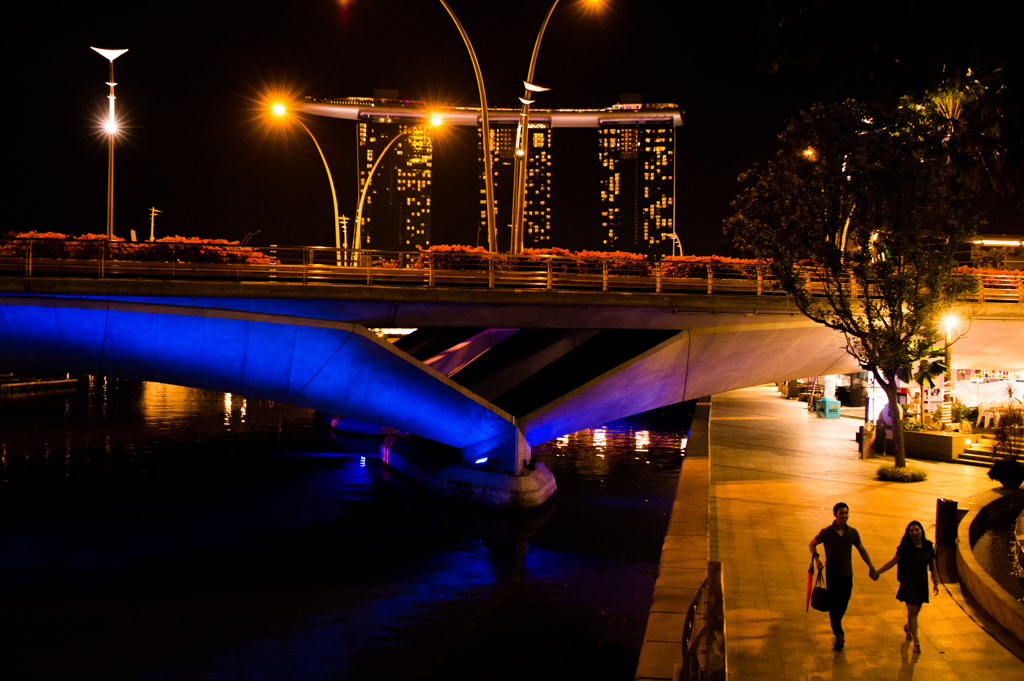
[(1007, 472), (891, 473), (962, 412), (1009, 435), (1008, 449)]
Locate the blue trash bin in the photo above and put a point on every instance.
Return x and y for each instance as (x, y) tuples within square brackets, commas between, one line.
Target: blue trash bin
[(828, 408)]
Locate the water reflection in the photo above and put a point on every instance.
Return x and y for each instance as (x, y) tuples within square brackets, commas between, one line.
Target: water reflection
[(157, 521)]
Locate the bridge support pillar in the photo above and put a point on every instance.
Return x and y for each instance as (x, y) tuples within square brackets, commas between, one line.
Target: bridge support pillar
[(507, 453)]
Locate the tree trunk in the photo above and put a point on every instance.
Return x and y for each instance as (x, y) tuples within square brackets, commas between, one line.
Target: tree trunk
[(920, 387), (897, 422)]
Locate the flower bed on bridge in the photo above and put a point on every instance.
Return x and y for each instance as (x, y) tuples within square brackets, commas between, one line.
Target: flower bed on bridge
[(563, 261), (696, 266), (166, 249)]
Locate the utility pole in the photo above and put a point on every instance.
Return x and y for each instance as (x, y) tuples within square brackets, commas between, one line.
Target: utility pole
[(152, 220)]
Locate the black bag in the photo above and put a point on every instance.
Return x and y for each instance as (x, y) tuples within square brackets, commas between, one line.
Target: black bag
[(819, 596)]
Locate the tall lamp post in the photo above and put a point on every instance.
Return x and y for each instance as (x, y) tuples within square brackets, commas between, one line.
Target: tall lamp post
[(280, 110), (523, 143), (951, 324), (357, 235), (485, 131), (521, 163), (111, 128)]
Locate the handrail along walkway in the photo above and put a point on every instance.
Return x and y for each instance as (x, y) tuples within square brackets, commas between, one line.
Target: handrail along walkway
[(310, 265)]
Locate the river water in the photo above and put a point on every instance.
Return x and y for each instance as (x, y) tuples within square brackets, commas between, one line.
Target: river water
[(149, 531)]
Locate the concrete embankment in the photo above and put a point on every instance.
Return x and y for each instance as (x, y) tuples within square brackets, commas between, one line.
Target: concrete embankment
[(684, 556), (10, 385)]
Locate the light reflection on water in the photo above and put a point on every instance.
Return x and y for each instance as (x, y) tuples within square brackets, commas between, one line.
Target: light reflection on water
[(257, 540)]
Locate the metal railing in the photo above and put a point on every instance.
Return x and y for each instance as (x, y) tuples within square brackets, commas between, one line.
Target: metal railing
[(704, 656), (320, 266)]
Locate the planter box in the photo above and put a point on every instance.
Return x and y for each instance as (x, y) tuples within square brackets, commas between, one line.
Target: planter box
[(935, 446)]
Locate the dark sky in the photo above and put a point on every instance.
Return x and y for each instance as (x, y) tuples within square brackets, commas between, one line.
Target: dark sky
[(188, 91)]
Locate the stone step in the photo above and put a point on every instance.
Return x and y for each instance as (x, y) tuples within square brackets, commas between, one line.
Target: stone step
[(972, 457)]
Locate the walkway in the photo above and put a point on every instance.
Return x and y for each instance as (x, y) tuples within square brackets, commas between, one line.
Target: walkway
[(776, 471)]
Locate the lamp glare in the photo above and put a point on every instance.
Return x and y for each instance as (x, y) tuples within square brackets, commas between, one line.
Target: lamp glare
[(278, 109)]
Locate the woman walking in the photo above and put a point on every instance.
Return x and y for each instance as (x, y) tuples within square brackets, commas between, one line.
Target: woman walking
[(914, 556)]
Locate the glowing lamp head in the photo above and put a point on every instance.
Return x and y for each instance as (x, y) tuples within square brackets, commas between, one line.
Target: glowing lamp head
[(436, 120), (110, 126), (950, 322), (278, 109), (810, 154)]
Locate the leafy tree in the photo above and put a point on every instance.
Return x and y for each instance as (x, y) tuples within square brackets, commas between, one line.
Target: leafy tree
[(860, 217)]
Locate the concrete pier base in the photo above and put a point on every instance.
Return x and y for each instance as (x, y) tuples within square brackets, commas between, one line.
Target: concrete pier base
[(529, 489)]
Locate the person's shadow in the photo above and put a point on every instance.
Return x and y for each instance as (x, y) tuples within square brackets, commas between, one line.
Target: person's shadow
[(907, 662)]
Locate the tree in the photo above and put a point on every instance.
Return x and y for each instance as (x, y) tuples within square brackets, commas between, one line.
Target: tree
[(859, 219)]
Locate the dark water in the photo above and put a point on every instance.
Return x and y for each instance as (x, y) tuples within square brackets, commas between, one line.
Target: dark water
[(994, 552), (155, 532)]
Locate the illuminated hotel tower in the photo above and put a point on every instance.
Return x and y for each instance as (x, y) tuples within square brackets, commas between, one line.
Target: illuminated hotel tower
[(636, 149), (396, 214), (538, 183), (637, 186)]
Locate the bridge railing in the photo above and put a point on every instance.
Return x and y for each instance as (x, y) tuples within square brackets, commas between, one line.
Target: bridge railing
[(328, 266)]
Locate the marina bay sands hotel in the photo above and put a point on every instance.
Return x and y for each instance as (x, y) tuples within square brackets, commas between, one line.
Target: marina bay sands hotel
[(635, 153)]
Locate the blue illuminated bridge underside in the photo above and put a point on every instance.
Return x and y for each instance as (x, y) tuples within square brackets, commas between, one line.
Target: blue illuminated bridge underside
[(491, 372)]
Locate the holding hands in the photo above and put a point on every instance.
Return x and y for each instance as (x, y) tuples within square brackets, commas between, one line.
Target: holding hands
[(873, 573)]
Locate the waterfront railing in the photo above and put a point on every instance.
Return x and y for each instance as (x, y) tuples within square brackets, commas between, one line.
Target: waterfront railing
[(310, 265), (704, 655)]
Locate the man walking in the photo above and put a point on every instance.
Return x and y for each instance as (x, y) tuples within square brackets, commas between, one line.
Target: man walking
[(838, 539)]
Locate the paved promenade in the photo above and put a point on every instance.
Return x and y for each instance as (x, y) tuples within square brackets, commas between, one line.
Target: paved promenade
[(776, 471)]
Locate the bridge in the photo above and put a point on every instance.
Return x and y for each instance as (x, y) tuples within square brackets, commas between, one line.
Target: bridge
[(503, 358)]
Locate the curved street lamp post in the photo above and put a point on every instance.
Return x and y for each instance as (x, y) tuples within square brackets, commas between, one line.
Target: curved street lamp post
[(280, 110), (521, 163), (523, 144), (357, 235), (492, 234)]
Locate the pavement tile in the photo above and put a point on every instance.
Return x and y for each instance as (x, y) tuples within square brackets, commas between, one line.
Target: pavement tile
[(655, 657), (773, 484)]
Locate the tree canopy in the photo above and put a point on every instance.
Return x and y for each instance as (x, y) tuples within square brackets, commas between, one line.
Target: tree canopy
[(860, 216)]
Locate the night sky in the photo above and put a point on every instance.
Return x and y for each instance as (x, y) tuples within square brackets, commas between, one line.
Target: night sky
[(189, 89)]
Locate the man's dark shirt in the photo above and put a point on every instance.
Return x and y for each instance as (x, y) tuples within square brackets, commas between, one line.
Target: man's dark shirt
[(838, 550)]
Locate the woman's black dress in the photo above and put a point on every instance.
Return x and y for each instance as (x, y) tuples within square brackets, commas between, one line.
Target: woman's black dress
[(912, 572)]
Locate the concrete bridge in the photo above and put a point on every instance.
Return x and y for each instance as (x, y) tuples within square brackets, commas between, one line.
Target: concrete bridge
[(490, 372)]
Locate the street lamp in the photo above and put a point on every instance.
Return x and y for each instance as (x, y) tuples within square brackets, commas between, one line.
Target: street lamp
[(111, 128), (280, 110), (485, 131), (675, 240), (951, 323), (357, 236), (521, 162)]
